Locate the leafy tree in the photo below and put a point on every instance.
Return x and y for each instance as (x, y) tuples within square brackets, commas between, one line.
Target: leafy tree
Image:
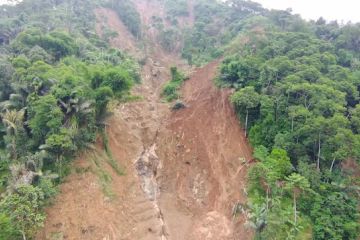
[(45, 117), (335, 216), (13, 120), (355, 118), (246, 99), (118, 80), (23, 209), (102, 98), (37, 53), (297, 184)]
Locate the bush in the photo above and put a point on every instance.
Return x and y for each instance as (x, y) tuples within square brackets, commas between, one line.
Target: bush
[(170, 89), (7, 229), (118, 80), (24, 210)]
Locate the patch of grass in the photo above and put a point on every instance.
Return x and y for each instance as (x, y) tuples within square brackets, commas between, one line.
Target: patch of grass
[(105, 182), (130, 98), (57, 236), (104, 177), (112, 162), (109, 157), (82, 170)]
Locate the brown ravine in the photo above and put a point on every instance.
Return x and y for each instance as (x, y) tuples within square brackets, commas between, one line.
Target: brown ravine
[(185, 170)]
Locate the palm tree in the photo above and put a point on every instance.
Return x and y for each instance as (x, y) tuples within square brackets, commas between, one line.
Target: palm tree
[(16, 101), (13, 120), (76, 106), (257, 218)]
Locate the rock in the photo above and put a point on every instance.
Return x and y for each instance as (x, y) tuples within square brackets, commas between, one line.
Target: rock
[(178, 105)]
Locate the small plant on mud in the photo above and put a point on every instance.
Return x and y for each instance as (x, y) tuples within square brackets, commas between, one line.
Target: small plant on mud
[(109, 156), (170, 90)]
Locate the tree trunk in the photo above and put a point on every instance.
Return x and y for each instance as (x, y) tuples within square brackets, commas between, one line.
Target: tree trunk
[(246, 121), (295, 215), (319, 153), (267, 199), (23, 235), (59, 162), (14, 148), (332, 164)]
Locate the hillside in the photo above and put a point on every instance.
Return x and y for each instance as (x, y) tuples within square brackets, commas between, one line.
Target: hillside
[(142, 137), (177, 119)]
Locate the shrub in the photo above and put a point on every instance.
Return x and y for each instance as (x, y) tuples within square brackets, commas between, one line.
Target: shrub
[(170, 89), (23, 209)]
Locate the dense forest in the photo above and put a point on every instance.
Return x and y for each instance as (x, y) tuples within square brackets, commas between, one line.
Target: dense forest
[(296, 90), (57, 78)]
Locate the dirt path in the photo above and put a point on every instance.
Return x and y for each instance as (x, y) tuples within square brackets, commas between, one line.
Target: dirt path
[(184, 170)]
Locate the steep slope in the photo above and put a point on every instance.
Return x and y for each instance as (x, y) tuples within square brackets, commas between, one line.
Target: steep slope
[(205, 155), (107, 18), (184, 170)]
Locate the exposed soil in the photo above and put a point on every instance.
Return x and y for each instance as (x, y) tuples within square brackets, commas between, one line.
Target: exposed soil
[(124, 40), (184, 170), (205, 157)]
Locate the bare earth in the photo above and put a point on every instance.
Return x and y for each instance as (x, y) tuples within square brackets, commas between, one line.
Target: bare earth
[(184, 170)]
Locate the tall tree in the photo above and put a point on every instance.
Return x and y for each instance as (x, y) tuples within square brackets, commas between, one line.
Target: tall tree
[(246, 99), (297, 184)]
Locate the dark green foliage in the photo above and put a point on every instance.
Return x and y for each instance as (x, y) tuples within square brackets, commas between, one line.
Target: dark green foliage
[(102, 98), (58, 44), (170, 90), (306, 104), (117, 79), (4, 173), (45, 117), (23, 209), (8, 231), (335, 215), (56, 80)]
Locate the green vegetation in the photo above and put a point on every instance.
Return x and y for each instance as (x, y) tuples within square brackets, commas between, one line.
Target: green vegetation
[(216, 24), (110, 159), (57, 79), (298, 95), (170, 90)]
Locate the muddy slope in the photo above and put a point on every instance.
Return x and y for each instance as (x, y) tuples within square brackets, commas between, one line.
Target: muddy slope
[(184, 170), (204, 154)]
